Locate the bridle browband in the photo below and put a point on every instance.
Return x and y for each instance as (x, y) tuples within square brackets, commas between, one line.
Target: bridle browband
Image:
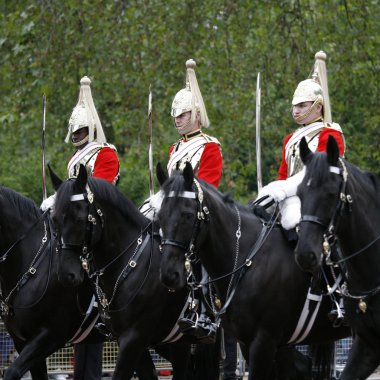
[(203, 215), (86, 252), (329, 237)]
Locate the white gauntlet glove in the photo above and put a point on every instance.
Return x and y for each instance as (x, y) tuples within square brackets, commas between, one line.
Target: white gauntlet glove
[(279, 190), (290, 210), (152, 205), (274, 192), (49, 202)]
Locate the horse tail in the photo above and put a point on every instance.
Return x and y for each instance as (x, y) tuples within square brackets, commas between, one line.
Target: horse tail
[(323, 360)]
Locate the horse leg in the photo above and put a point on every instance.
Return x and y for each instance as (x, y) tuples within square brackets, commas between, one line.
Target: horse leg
[(145, 368), (292, 365), (179, 355), (31, 356), (362, 361), (39, 371), (133, 354), (262, 358)]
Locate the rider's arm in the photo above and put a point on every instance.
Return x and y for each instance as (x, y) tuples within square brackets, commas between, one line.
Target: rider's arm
[(210, 166), (106, 165)]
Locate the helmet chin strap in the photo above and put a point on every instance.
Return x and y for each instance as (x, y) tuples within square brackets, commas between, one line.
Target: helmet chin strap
[(185, 128), (80, 143), (306, 114)]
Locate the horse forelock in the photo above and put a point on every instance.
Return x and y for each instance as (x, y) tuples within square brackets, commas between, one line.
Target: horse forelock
[(317, 169), (24, 206), (175, 184)]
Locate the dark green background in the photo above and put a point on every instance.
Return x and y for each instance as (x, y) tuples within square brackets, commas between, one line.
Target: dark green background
[(124, 46)]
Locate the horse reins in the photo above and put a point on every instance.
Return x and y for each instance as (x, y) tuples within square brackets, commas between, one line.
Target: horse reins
[(330, 237), (32, 269), (4, 256), (202, 215), (85, 257)]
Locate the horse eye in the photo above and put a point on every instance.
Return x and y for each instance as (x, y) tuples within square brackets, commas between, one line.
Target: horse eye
[(308, 182)]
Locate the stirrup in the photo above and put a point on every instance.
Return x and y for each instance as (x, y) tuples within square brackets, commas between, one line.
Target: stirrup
[(188, 322), (200, 327), (102, 329), (337, 318)]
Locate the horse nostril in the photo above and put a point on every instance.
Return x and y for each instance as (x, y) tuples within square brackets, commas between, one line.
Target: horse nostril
[(307, 261), (170, 280)]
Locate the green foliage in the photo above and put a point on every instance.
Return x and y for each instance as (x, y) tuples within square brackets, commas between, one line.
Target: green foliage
[(124, 46)]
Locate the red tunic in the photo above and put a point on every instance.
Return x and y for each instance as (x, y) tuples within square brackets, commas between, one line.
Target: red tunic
[(106, 165), (210, 165), (322, 145)]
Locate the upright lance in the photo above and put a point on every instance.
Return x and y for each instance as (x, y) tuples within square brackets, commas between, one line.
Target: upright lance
[(258, 137), (44, 193), (150, 151)]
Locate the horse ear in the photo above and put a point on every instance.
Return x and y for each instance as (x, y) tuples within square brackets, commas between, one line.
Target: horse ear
[(161, 175), (305, 151), (55, 180), (188, 175), (81, 180), (332, 151)]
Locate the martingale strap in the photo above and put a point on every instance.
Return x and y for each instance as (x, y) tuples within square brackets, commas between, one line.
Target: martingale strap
[(176, 334), (307, 318), (92, 315)]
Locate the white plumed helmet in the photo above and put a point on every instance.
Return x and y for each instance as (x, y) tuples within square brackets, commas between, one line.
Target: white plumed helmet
[(190, 97), (85, 115), (315, 89)]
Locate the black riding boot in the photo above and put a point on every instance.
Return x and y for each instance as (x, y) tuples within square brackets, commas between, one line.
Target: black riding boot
[(200, 326), (200, 322)]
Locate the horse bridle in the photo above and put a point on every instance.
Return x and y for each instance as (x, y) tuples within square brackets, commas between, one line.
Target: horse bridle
[(85, 247), (90, 224), (329, 237), (202, 216)]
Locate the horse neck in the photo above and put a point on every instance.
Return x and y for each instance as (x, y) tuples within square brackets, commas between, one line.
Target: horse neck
[(358, 229), (221, 251), (19, 257), (120, 233)]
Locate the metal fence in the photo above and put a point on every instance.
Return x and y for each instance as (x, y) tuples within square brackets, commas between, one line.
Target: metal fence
[(60, 364)]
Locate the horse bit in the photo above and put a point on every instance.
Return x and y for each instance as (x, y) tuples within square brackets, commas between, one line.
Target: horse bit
[(330, 238)]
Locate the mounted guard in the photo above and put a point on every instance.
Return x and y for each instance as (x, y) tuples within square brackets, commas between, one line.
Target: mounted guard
[(312, 113)]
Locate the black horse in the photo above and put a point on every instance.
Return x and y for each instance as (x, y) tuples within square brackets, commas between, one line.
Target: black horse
[(38, 312), (341, 225), (253, 268), (119, 248)]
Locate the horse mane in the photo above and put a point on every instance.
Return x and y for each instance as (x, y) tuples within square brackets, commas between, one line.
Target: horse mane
[(318, 169), (103, 191), (20, 204), (367, 180)]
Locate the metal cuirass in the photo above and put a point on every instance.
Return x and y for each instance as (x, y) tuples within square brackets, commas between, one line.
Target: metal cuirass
[(188, 151), (87, 157), (292, 156)]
